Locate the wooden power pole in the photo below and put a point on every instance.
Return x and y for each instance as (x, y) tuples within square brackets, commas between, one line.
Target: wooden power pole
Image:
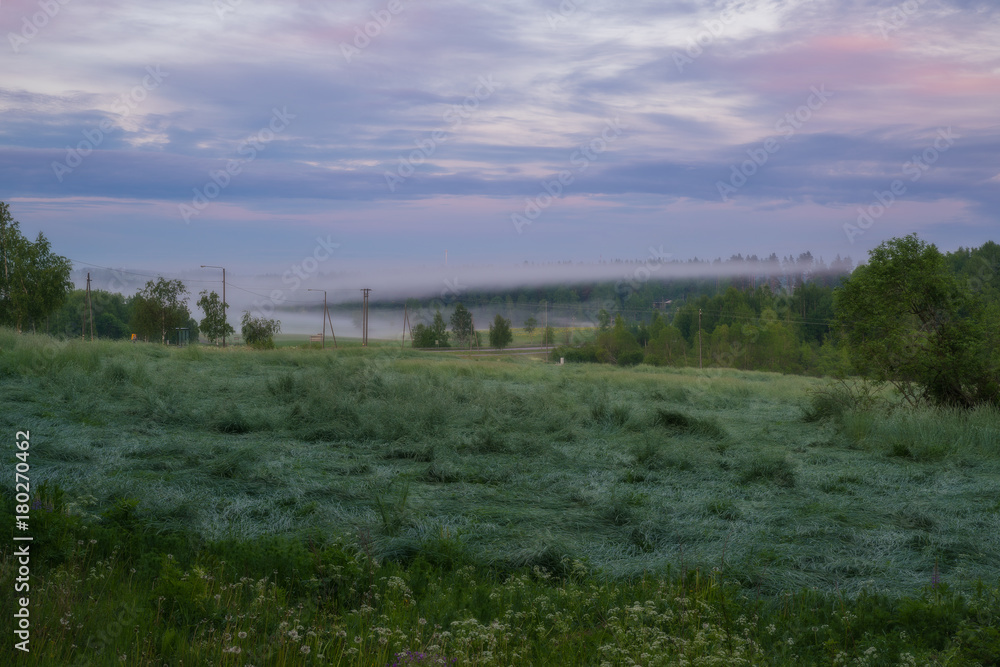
[(364, 318), (90, 309), (406, 321), (699, 338)]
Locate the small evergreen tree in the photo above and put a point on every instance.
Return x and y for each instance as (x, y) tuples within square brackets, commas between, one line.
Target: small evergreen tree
[(461, 324), (529, 325), (500, 334)]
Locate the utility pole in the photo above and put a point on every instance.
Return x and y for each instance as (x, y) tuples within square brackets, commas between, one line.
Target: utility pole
[(546, 332), (209, 266), (406, 325), (699, 338), (364, 318), (324, 314), (90, 308)]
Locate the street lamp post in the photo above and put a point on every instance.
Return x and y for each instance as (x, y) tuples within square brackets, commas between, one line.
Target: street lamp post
[(324, 312), (210, 266)]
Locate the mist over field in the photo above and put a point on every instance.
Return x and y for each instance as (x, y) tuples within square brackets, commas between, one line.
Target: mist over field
[(285, 296), (376, 333)]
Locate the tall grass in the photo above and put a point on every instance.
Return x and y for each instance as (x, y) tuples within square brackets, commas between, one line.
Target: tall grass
[(630, 470)]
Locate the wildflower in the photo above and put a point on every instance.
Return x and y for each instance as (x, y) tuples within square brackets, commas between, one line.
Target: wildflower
[(241, 634), (305, 650)]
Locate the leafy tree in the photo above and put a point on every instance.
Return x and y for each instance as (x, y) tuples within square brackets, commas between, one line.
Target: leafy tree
[(500, 334), (214, 325), (603, 320), (159, 307), (461, 324), (549, 336), (111, 315), (34, 282), (529, 325), (618, 346), (435, 335), (667, 347), (258, 332), (910, 322)]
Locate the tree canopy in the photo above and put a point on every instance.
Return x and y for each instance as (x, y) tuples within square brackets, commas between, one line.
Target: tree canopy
[(909, 321), (500, 333), (34, 281), (214, 325), (259, 332), (461, 324), (159, 307), (435, 335)]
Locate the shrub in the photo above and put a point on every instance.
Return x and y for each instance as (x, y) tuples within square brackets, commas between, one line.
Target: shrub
[(258, 332)]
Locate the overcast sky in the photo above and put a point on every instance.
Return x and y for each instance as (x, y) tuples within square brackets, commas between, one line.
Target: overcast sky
[(256, 135)]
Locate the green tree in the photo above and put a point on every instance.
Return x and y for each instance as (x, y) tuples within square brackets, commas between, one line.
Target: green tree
[(500, 334), (603, 320), (910, 322), (214, 325), (435, 335), (548, 336), (34, 281), (258, 332), (461, 324), (159, 307), (618, 346), (529, 325), (110, 309)]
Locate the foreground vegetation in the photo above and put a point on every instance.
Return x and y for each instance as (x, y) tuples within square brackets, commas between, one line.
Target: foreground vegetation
[(231, 507)]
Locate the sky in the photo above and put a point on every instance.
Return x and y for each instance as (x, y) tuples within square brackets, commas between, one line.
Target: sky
[(320, 139)]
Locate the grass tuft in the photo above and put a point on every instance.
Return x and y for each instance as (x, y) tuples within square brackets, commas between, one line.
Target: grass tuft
[(767, 468)]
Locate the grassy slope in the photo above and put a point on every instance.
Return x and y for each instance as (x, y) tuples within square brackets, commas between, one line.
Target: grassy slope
[(518, 462)]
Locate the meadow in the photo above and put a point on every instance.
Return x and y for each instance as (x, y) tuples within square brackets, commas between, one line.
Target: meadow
[(379, 505)]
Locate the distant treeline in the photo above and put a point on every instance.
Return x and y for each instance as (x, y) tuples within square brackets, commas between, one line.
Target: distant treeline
[(780, 318), (639, 290), (787, 330)]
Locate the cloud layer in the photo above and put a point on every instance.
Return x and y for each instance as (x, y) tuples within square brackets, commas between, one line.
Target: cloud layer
[(235, 132)]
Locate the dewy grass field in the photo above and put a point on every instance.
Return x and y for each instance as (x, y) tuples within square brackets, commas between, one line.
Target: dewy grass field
[(648, 485)]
